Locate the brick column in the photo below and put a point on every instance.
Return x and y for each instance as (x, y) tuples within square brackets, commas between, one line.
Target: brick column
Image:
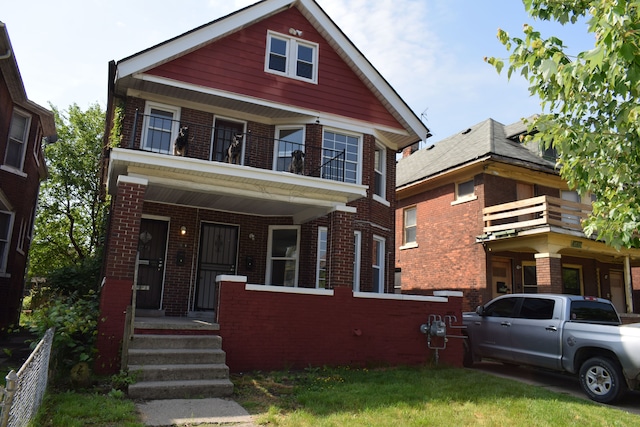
[(120, 265), (549, 273), (340, 250)]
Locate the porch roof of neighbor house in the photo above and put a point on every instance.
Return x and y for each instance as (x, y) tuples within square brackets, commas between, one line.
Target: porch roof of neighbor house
[(232, 188), (486, 140), (129, 71)]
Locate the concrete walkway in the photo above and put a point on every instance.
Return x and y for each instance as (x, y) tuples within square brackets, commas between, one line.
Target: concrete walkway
[(190, 412)]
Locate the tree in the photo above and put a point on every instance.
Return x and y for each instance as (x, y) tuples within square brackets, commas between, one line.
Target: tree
[(590, 109), (69, 225)]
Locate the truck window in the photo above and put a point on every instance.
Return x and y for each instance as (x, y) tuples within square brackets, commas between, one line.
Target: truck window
[(501, 308), (594, 312), (537, 308)]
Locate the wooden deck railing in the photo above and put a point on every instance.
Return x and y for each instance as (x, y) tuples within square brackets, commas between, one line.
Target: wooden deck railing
[(535, 212)]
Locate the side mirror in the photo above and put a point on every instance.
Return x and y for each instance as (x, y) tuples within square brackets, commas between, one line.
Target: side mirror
[(480, 310)]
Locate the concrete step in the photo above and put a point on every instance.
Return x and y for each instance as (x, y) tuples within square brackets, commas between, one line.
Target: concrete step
[(147, 356), (181, 389), (179, 372), (175, 341)]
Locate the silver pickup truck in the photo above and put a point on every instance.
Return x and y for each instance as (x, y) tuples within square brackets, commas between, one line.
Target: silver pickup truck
[(576, 334)]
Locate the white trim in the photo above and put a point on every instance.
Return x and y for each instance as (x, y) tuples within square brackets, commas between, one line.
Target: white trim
[(13, 170), (289, 290), (360, 138), (380, 267), (378, 147), (326, 257), (175, 124), (231, 278), (411, 245), (357, 259), (24, 142), (291, 56), (399, 297), (278, 139), (546, 255), (127, 179)]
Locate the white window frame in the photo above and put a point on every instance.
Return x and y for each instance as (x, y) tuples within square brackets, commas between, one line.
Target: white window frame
[(357, 259), (6, 240), (175, 125), (23, 143), (278, 139), (357, 162), (461, 198), (271, 258), (378, 264), (380, 168), (405, 224), (291, 57), (322, 255)]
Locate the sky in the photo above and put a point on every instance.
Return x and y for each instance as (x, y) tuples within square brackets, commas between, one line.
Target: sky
[(430, 51)]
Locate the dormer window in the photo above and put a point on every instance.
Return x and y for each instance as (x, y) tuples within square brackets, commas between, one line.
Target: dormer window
[(291, 57)]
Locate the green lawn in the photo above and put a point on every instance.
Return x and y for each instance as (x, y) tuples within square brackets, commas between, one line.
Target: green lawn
[(344, 397)]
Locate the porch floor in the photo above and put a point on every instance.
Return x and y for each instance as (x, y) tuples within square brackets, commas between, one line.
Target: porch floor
[(175, 323)]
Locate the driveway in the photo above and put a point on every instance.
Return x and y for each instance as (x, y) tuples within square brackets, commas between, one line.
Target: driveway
[(558, 382)]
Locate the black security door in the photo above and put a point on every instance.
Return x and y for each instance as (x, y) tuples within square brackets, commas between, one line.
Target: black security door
[(152, 246)]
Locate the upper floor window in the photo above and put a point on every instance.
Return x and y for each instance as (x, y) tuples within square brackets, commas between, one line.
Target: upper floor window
[(465, 191), (17, 145), (379, 175), (160, 128), (340, 157), (289, 140), (292, 57), (410, 226)]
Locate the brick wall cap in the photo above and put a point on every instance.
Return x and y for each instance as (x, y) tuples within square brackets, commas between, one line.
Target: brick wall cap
[(448, 293)]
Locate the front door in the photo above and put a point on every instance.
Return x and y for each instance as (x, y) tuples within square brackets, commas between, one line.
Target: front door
[(501, 277), (218, 255), (617, 291), (225, 131), (152, 245)]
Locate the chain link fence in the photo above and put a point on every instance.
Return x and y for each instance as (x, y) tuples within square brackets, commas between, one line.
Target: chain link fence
[(24, 391)]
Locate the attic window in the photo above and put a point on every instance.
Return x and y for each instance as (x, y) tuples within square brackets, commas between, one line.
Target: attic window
[(291, 57), (465, 191)]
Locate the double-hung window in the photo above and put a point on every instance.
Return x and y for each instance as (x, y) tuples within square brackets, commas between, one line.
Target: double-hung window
[(321, 270), (410, 227), (288, 140), (379, 175), (6, 224), (292, 57), (161, 127), (378, 264), (17, 145), (282, 256), (340, 157)]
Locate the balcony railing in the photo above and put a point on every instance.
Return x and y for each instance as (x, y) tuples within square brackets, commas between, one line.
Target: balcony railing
[(156, 133), (535, 212)]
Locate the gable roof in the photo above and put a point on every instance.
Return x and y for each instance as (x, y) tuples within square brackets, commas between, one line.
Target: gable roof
[(486, 140), (134, 65), (11, 72)]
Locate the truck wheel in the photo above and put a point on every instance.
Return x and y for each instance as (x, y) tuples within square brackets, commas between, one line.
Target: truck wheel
[(601, 379)]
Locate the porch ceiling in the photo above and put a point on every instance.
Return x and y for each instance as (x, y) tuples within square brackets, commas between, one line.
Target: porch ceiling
[(231, 188)]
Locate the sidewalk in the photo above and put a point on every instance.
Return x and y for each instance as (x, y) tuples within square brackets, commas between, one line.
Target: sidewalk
[(189, 412)]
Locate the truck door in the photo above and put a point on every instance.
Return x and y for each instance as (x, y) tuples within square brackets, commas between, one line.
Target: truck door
[(491, 332), (535, 333)]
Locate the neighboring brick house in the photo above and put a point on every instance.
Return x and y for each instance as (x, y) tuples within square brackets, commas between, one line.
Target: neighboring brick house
[(276, 77), (481, 213), (24, 125)]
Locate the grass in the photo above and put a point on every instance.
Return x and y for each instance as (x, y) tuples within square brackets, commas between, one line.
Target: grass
[(406, 396)]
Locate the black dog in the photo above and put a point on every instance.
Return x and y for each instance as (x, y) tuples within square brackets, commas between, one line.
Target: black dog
[(180, 146), (235, 150), (297, 162)]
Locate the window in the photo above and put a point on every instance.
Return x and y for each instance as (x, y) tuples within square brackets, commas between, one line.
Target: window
[(465, 191), (357, 241), (379, 168), (292, 57), (282, 262), (378, 264), (410, 226), (288, 140), (529, 278), (6, 224), (321, 269), (340, 157), (18, 134), (161, 127), (593, 312), (537, 308), (37, 145), (501, 308), (571, 280)]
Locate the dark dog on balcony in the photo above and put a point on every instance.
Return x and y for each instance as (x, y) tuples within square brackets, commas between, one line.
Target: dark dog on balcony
[(235, 150), (180, 146), (297, 162)]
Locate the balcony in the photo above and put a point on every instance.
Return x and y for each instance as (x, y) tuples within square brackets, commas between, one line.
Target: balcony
[(532, 216)]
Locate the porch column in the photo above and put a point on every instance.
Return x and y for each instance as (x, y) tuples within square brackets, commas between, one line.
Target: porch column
[(340, 250), (549, 272), (628, 285), (120, 265)]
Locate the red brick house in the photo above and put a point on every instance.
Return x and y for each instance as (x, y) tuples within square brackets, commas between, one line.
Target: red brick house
[(24, 125), (232, 197), (482, 213)]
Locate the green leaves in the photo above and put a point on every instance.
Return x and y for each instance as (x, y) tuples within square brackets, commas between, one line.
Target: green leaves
[(591, 106)]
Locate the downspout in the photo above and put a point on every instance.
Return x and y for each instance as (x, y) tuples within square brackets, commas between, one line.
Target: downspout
[(628, 290)]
